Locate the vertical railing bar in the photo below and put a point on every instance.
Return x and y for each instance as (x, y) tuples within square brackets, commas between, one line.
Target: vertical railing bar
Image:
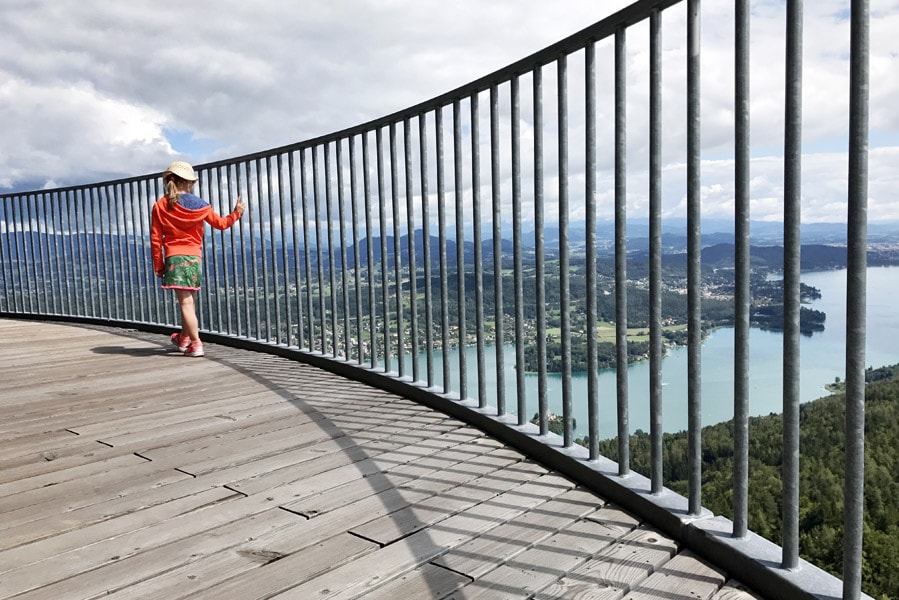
[(30, 267), (129, 272), (518, 267), (263, 334), (590, 242), (37, 253), (30, 259), (84, 259), (105, 254), (397, 250), (564, 289), (117, 201), (13, 243), (150, 276), (478, 249), (150, 281), (71, 255), (241, 168), (7, 302), (410, 244), (34, 297), (137, 223), (45, 257), (34, 279), (113, 239), (72, 211), (205, 191), (382, 226), (128, 248), (223, 289), (694, 265), (539, 251), (40, 208), (370, 253), (655, 252), (295, 242), (275, 287), (329, 220), (280, 289), (742, 272), (344, 271), (230, 318), (856, 296), (426, 244), (92, 205), (48, 241), (460, 248), (63, 274), (61, 292), (441, 242), (621, 249), (791, 283), (319, 258), (357, 269), (156, 310), (218, 274), (307, 252), (496, 219), (52, 256), (27, 262), (256, 319)]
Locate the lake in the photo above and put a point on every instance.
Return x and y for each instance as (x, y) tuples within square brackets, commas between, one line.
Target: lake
[(822, 359)]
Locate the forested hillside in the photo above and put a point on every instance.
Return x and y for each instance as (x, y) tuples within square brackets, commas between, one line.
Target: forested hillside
[(821, 478)]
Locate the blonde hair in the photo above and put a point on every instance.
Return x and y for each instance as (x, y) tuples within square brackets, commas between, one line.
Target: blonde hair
[(173, 185)]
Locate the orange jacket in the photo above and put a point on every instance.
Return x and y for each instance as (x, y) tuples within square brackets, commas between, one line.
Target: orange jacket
[(180, 231)]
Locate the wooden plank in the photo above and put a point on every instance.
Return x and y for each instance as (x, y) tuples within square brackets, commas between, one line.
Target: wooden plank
[(358, 489), (295, 568), (65, 542), (483, 554), (427, 581), (388, 454), (734, 590), (65, 567), (121, 571), (684, 577), (102, 460), (372, 570), (102, 487), (613, 571), (463, 490)]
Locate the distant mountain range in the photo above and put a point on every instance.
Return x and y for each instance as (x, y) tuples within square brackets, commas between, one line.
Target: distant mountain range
[(823, 244)]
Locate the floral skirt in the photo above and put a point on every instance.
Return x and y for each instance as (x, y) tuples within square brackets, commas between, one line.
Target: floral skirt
[(183, 273)]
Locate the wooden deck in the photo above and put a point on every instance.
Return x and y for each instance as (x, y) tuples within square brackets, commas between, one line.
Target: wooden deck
[(130, 471)]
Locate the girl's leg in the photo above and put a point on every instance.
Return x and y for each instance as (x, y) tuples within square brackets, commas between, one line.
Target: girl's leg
[(189, 325)]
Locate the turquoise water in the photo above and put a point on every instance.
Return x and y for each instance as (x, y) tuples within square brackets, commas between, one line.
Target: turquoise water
[(822, 358)]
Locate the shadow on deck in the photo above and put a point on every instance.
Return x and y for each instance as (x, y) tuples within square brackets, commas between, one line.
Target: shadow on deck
[(130, 471)]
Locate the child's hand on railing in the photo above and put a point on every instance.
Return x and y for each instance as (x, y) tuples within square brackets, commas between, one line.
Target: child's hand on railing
[(240, 207)]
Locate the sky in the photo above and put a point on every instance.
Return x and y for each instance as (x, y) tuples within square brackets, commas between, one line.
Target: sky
[(92, 90)]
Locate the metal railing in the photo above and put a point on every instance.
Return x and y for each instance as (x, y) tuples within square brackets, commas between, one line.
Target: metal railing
[(372, 252)]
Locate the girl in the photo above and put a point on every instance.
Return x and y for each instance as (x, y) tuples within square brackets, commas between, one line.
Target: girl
[(176, 232)]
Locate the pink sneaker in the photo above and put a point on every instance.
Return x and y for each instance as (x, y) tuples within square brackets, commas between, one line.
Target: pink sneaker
[(194, 349), (181, 342)]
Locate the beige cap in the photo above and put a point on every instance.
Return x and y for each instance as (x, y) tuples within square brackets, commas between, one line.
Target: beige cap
[(182, 170)]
